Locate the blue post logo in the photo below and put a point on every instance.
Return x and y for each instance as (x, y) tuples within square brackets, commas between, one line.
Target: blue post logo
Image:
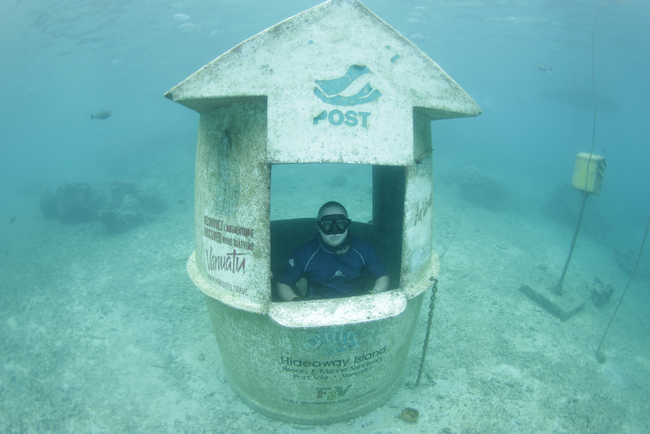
[(329, 91)]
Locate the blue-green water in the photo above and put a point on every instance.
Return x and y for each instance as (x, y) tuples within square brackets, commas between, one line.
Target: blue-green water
[(105, 332)]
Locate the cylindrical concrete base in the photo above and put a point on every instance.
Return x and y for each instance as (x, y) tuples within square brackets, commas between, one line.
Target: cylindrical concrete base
[(292, 365)]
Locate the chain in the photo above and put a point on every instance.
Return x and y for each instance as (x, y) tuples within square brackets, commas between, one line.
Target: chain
[(434, 289)]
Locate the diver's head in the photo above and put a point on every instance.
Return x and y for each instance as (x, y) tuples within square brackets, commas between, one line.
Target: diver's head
[(333, 223)]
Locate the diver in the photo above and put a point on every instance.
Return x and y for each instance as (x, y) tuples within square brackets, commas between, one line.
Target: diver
[(333, 262)]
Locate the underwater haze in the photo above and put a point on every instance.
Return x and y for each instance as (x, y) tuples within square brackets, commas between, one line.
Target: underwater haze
[(101, 329)]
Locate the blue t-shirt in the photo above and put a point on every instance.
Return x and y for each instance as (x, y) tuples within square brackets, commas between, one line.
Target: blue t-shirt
[(331, 275)]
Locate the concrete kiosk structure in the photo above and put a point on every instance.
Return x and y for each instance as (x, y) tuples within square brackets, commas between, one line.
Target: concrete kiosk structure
[(334, 74)]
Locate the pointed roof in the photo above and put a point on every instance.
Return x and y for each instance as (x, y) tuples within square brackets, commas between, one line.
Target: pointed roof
[(333, 73)]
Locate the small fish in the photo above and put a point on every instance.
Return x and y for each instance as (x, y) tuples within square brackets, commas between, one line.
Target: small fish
[(422, 8), (419, 38), (214, 33), (189, 27), (417, 21), (116, 62), (181, 17), (104, 114), (13, 219), (545, 69)]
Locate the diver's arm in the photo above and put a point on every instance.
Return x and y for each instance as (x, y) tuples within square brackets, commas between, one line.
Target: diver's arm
[(285, 292), (381, 284)]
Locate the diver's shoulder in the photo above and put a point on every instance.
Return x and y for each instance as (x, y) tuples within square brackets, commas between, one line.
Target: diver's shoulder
[(305, 251), (359, 242), (311, 243)]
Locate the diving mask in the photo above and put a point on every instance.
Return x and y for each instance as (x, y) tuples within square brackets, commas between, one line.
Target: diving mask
[(334, 224)]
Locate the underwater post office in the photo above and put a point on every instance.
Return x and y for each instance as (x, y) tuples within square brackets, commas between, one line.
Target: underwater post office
[(333, 84)]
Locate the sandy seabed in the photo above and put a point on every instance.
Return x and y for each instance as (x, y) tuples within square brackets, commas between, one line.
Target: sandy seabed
[(107, 334)]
